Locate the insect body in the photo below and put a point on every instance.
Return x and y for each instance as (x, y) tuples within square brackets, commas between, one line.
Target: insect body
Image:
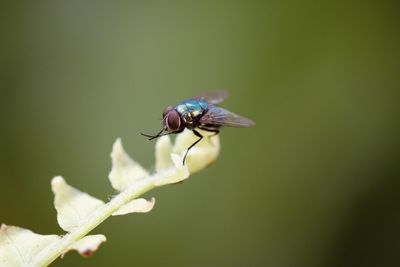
[(191, 112), (200, 112)]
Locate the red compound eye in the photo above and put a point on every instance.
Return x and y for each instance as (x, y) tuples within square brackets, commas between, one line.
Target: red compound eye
[(173, 120)]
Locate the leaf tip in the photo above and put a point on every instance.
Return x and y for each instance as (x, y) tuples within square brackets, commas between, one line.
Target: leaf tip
[(137, 205), (163, 151), (57, 180), (88, 245), (89, 251), (116, 146), (125, 171)]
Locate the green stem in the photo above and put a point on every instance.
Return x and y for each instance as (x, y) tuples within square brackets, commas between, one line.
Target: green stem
[(50, 254)]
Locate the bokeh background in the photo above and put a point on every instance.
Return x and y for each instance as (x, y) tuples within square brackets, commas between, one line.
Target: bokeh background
[(315, 183)]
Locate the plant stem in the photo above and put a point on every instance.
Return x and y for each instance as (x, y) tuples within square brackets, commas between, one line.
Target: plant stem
[(51, 253)]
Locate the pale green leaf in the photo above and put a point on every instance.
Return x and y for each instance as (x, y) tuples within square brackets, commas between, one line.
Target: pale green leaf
[(78, 212), (202, 154), (88, 244), (174, 174), (163, 153), (18, 245), (73, 206), (137, 205), (125, 171)]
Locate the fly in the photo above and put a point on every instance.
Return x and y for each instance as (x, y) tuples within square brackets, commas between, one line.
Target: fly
[(200, 112)]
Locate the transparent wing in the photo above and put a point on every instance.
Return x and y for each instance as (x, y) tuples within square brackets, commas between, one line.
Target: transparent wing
[(221, 117), (213, 97)]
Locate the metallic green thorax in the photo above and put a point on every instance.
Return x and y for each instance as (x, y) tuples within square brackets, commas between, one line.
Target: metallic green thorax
[(191, 111)]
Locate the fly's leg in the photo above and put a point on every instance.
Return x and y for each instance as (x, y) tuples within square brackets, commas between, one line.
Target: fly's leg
[(212, 130), (151, 137), (192, 145)]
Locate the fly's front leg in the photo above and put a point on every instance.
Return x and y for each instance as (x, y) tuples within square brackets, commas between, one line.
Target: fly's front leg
[(192, 145)]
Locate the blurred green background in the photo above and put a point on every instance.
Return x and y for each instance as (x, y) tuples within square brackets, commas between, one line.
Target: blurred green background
[(315, 183)]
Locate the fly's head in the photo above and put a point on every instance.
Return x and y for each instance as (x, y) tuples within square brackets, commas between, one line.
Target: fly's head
[(172, 121)]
